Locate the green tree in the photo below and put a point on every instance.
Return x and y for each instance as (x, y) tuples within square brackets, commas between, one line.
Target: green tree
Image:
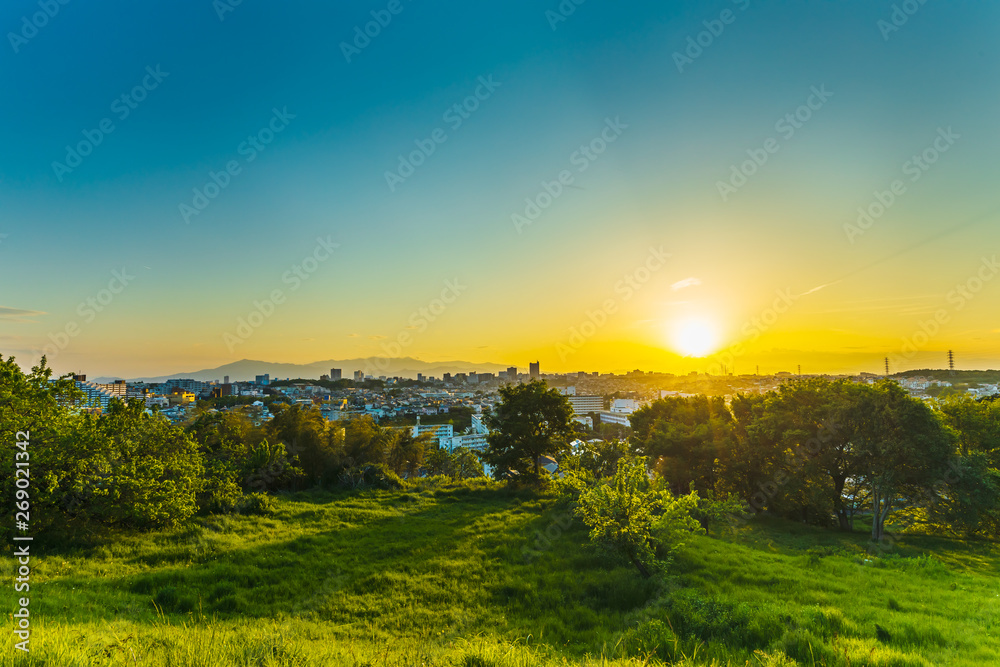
[(684, 438), (631, 519), (901, 449), (406, 453), (530, 422)]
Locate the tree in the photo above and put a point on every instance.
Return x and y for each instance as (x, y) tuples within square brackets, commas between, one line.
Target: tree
[(530, 422), (977, 424), (630, 518), (406, 453), (467, 463), (901, 449), (814, 420), (684, 438)]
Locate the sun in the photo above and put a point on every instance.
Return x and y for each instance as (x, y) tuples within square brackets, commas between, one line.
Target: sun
[(694, 337)]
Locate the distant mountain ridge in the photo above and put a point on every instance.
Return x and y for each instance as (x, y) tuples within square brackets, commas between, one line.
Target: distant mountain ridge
[(249, 369)]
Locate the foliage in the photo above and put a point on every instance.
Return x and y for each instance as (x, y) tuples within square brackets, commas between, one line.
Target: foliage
[(630, 518), (370, 476), (531, 421)]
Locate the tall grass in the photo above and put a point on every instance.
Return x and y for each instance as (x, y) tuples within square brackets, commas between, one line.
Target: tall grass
[(475, 574)]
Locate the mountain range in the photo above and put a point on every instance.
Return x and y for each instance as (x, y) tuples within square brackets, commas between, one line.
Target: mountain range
[(249, 369)]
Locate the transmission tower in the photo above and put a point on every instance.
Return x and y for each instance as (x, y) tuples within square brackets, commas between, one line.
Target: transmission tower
[(887, 366), (951, 361)]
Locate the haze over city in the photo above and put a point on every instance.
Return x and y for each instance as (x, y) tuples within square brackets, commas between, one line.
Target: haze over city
[(601, 189)]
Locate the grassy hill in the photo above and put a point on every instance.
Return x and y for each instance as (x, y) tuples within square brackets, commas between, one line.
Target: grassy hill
[(476, 575)]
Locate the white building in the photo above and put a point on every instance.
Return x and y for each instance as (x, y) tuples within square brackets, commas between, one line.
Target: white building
[(609, 417), (584, 404)]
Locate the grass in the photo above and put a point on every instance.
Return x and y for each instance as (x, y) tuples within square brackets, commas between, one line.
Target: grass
[(476, 575)]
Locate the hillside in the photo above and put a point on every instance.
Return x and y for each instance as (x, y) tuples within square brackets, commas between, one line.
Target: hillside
[(464, 575)]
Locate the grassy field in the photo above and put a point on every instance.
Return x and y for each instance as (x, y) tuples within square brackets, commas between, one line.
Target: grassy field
[(465, 575)]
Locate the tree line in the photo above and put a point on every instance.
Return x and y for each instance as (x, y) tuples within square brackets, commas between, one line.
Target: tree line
[(128, 468)]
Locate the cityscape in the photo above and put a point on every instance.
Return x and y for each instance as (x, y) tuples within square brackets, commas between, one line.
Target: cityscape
[(560, 333)]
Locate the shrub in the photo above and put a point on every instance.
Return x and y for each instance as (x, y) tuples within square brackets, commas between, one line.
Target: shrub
[(370, 476), (258, 504)]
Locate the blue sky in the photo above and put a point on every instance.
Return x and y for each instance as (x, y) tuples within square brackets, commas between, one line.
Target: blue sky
[(324, 174)]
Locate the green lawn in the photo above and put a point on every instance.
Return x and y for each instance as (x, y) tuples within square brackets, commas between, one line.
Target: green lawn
[(440, 577)]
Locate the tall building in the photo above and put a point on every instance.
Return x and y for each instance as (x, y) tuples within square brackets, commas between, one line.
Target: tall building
[(225, 379), (336, 374), (359, 376), (512, 373), (534, 371), (264, 380), (584, 404)]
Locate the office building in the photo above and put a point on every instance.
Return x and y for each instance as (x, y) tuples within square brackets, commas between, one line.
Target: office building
[(534, 372), (336, 374), (584, 404)]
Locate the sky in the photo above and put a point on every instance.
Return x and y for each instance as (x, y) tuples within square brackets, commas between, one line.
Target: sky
[(681, 186)]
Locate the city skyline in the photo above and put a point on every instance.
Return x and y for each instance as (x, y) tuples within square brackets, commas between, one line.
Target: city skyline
[(663, 188)]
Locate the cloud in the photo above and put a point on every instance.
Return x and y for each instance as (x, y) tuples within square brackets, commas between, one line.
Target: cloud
[(19, 315), (377, 337), (354, 335), (687, 282), (816, 289)]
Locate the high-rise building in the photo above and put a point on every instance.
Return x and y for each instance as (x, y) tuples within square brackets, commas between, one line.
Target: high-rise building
[(534, 371), (446, 377), (420, 377), (584, 404), (336, 374), (512, 373), (225, 379), (264, 380), (359, 376)]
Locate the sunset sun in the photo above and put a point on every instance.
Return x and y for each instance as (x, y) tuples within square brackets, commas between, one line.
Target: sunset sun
[(694, 337)]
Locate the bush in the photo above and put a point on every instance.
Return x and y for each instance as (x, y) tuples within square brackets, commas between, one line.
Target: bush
[(258, 504), (371, 476), (651, 637)]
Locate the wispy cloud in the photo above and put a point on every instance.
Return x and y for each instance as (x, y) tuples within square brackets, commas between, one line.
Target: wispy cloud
[(377, 337), (687, 282), (354, 335), (816, 289), (18, 315)]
